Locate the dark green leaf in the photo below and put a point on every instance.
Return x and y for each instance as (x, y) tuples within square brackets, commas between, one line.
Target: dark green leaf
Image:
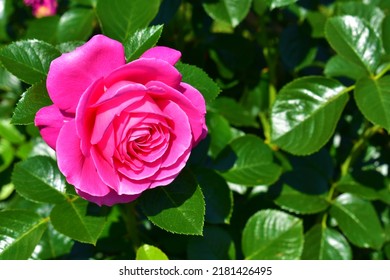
[(215, 244), (355, 40), (178, 208), (9, 132), (20, 232), (142, 40), (385, 32), (29, 60), (7, 154), (76, 25), (358, 221), (373, 99), (305, 114), (73, 219), (280, 3), (228, 11), (254, 162), (149, 252), (5, 12), (29, 104), (197, 78), (218, 196), (39, 179), (350, 185), (322, 243), (272, 235), (121, 18), (219, 131), (234, 112)]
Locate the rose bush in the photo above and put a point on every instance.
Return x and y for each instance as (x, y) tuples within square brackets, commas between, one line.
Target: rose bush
[(119, 129)]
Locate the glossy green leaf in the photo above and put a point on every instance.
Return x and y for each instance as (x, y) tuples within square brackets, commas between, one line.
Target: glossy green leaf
[(178, 208), (350, 185), (305, 114), (358, 221), (142, 40), (272, 235), (20, 232), (197, 78), (373, 99), (299, 202), (355, 40), (29, 60), (215, 244), (370, 13), (39, 179), (149, 252), (29, 104), (325, 244), (339, 66), (254, 164), (228, 11), (218, 196), (280, 3), (76, 25), (72, 218), (121, 18)]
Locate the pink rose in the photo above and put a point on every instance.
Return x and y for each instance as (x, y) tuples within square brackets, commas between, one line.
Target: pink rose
[(42, 8), (119, 129)]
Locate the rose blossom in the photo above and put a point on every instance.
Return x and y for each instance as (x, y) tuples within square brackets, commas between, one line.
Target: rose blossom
[(119, 129), (42, 8)]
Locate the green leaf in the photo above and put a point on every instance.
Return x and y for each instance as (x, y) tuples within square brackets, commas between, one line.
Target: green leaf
[(121, 18), (254, 162), (197, 78), (9, 132), (53, 245), (20, 232), (76, 25), (7, 154), (6, 9), (44, 29), (272, 235), (149, 252), (30, 103), (325, 244), (350, 185), (234, 112), (72, 218), (301, 203), (215, 244), (177, 208), (220, 132), (305, 114), (358, 221), (279, 3), (142, 40), (29, 60), (339, 66), (38, 179), (373, 100), (385, 32), (355, 40), (218, 196), (228, 11)]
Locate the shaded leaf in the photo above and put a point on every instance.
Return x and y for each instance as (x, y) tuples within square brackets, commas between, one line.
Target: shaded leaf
[(76, 25), (229, 11)]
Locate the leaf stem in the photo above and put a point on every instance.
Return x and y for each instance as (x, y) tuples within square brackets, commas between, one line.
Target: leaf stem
[(129, 216)]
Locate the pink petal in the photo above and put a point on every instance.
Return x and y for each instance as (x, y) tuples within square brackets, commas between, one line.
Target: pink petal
[(169, 55), (50, 120), (72, 73), (109, 199), (196, 118), (144, 70), (79, 170)]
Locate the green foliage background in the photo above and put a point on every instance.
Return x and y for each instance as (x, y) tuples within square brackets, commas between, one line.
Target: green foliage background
[(296, 163)]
